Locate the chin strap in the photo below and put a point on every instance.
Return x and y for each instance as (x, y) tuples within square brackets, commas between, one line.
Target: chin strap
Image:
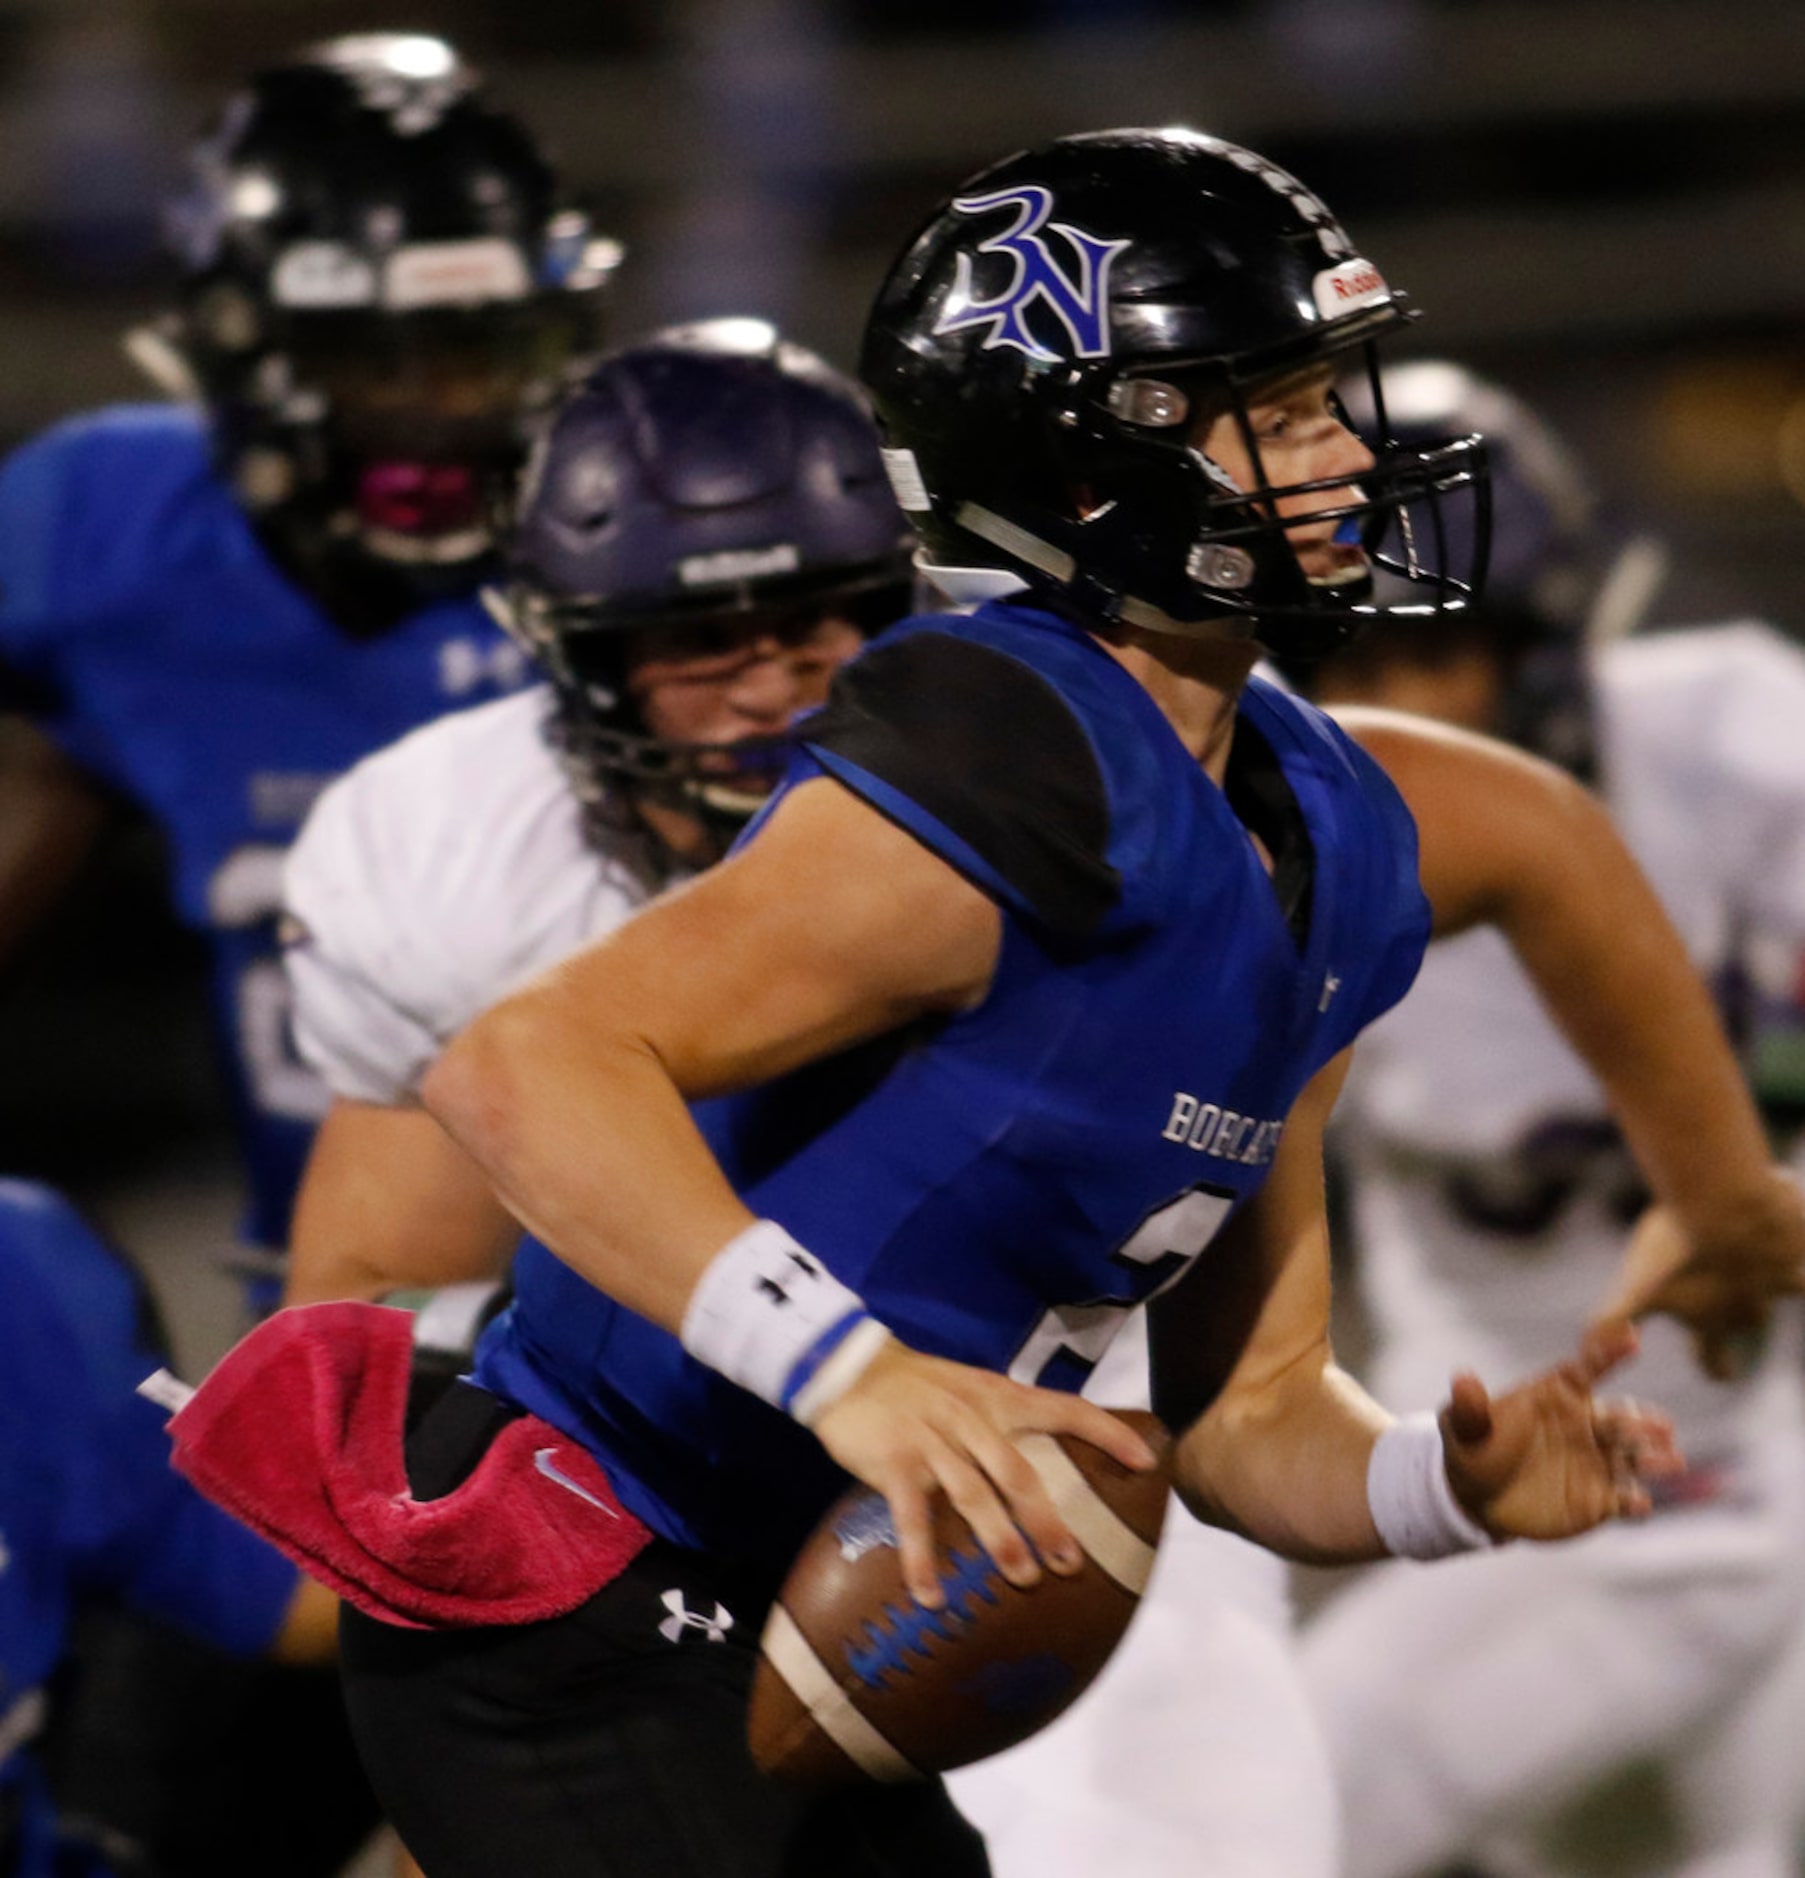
[(1238, 627), (1016, 542), (1089, 595)]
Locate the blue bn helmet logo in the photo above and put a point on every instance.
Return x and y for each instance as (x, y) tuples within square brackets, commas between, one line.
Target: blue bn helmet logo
[(1080, 305)]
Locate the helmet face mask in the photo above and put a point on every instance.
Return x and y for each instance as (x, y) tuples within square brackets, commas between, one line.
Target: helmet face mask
[(1556, 584), (1044, 351), (592, 656), (709, 499), (380, 293)]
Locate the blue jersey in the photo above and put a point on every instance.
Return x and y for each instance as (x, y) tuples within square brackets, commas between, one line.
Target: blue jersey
[(1004, 1187), (89, 1504), (148, 632)]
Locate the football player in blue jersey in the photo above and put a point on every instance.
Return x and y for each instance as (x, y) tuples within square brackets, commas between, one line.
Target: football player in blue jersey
[(1022, 1005), (89, 1509), (211, 606)]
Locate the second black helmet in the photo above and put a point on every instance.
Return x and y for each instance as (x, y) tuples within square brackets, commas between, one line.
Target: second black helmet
[(380, 286)]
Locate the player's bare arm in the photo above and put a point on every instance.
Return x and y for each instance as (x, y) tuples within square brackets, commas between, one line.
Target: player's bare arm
[(831, 927), (390, 1201), (1508, 839), (571, 1097), (1282, 1452)]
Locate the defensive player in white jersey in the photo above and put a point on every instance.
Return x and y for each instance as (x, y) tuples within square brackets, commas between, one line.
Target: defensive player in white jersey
[(391, 884), (1491, 1194), (721, 492)]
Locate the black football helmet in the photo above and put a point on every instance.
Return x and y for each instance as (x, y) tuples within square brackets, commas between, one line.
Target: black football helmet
[(1562, 576), (1043, 350), (380, 288), (712, 478)]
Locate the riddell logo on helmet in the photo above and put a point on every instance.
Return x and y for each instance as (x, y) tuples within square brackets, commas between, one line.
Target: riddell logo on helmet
[(455, 273), (702, 570), (1348, 288)]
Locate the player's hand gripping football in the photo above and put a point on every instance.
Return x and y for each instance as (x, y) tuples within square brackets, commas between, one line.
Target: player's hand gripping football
[(1721, 1279), (914, 1425), (1549, 1459)]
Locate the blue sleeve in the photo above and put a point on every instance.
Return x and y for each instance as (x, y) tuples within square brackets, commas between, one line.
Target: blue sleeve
[(152, 1541), (1386, 887), (1369, 889), (76, 1337)]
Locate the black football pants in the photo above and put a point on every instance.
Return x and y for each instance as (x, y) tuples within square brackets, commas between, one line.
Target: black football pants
[(609, 1743)]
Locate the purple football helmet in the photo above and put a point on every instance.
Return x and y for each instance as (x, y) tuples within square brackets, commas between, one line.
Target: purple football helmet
[(714, 476)]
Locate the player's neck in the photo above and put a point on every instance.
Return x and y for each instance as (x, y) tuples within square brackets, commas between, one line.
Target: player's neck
[(1196, 683), (687, 839)]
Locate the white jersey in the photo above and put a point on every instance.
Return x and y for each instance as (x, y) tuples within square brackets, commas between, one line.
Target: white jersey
[(432, 879), (1490, 1195)]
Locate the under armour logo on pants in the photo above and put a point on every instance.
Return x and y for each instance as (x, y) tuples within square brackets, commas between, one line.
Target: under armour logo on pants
[(682, 1618)]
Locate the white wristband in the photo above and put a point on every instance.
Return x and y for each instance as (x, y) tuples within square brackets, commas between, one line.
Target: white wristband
[(770, 1316), (836, 1372), (1407, 1490)]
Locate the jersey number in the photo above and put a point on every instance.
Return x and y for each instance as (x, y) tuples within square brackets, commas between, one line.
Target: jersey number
[(1070, 1339), (246, 891)]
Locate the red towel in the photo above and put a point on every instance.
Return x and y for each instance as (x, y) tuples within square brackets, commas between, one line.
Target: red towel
[(297, 1432)]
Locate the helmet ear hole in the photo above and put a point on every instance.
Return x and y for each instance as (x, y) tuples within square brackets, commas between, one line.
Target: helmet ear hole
[(1150, 402)]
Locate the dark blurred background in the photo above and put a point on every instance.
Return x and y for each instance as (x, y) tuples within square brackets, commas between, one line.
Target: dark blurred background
[(1603, 201), (1600, 201)]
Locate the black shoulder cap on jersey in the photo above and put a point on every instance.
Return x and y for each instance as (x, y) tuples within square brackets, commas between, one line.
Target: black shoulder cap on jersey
[(990, 750)]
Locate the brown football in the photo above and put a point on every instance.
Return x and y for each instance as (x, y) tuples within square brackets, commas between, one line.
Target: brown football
[(856, 1681)]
